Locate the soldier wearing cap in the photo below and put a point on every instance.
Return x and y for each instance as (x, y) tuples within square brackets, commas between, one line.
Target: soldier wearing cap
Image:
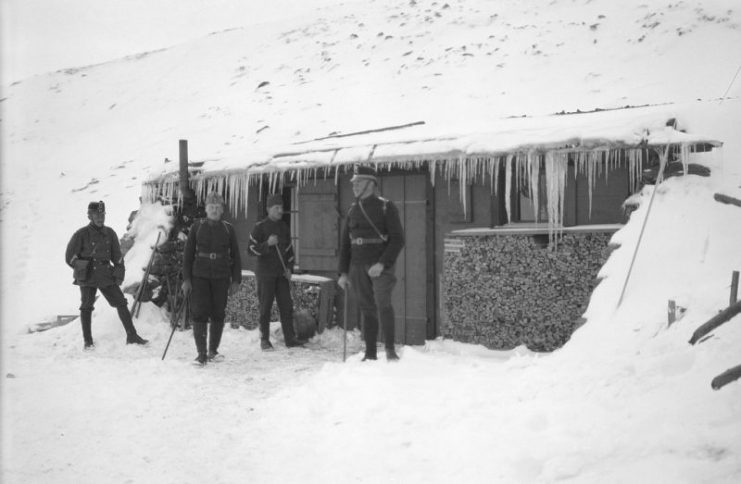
[(212, 269), (371, 240), (95, 255), (270, 242)]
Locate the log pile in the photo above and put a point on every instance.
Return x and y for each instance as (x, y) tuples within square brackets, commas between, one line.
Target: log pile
[(243, 308), (505, 290)]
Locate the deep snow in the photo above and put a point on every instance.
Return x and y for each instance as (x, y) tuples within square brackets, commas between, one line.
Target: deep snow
[(626, 400)]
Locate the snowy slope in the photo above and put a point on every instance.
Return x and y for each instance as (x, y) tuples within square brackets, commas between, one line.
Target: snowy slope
[(626, 400), (96, 132)]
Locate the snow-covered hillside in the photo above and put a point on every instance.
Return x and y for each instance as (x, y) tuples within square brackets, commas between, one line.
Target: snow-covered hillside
[(626, 400), (96, 132)]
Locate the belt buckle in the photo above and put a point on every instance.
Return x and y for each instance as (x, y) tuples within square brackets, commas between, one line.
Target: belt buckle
[(359, 241), (212, 256)]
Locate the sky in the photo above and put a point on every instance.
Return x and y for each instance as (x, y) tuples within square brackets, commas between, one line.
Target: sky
[(626, 399)]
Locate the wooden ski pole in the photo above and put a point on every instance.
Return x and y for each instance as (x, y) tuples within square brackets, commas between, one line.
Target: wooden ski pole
[(344, 326), (174, 324), (137, 300), (280, 256)]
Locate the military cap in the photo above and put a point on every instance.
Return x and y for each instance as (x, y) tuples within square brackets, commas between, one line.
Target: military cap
[(275, 199), (364, 173), (214, 198), (96, 207)]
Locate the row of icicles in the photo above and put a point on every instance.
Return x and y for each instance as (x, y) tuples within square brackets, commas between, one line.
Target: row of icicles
[(520, 169)]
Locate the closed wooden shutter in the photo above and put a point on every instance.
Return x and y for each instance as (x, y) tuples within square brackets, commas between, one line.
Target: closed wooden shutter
[(318, 222)]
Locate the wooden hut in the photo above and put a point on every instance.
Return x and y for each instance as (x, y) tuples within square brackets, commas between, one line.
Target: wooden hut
[(538, 178)]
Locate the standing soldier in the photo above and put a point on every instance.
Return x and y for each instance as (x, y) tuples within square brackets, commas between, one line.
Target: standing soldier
[(270, 241), (212, 269), (95, 255), (372, 238)]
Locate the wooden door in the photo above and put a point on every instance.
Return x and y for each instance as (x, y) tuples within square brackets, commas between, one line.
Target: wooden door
[(409, 194), (317, 247)]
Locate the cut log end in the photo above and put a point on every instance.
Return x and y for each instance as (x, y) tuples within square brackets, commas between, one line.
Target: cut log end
[(726, 377)]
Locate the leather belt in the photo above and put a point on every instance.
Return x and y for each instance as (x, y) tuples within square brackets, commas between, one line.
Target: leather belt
[(362, 241), (211, 255)]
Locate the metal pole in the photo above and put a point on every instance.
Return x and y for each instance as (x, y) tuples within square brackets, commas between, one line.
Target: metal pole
[(659, 177)]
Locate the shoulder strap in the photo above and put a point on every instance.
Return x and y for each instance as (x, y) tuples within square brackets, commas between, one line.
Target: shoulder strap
[(383, 237)]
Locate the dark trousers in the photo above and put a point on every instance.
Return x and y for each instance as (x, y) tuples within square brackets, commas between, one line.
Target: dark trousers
[(277, 288), (374, 299), (115, 298), (208, 301)]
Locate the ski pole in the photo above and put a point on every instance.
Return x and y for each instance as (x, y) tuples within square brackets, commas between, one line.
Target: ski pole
[(280, 256), (344, 326), (174, 325)]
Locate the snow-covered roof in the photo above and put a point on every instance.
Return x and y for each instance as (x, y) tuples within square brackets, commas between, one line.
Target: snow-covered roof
[(419, 142)]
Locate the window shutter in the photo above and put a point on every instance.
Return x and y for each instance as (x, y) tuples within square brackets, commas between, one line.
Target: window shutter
[(318, 220)]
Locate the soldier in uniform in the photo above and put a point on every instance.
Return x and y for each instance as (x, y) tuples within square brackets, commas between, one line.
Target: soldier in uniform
[(212, 269), (95, 255), (270, 242), (372, 238)]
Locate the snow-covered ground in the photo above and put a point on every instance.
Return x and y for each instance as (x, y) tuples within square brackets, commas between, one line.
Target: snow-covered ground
[(626, 400)]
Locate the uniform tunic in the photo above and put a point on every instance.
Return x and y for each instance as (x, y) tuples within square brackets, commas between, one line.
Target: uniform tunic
[(211, 261), (272, 284), (100, 246), (207, 237), (385, 217), (362, 247), (268, 262)]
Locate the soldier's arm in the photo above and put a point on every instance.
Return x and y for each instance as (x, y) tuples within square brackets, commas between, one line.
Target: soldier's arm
[(236, 256), (189, 252), (258, 242), (116, 255), (395, 236), (73, 249)]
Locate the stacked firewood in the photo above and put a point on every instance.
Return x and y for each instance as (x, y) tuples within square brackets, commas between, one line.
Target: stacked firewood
[(507, 290), (243, 308)]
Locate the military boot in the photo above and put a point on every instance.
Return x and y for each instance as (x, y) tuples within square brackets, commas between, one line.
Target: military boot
[(391, 354), (86, 323), (131, 336), (214, 339), (199, 334)]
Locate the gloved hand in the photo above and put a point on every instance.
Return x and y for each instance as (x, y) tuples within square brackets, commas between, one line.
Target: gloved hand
[(288, 274), (233, 288), (187, 288)]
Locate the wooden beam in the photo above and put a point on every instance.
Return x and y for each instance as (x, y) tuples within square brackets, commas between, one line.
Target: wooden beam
[(731, 374), (716, 321), (719, 197), (367, 131)]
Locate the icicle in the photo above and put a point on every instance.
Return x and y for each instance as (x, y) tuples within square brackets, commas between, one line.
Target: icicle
[(533, 163), (462, 176), (590, 179), (684, 154), (508, 186), (556, 169)]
